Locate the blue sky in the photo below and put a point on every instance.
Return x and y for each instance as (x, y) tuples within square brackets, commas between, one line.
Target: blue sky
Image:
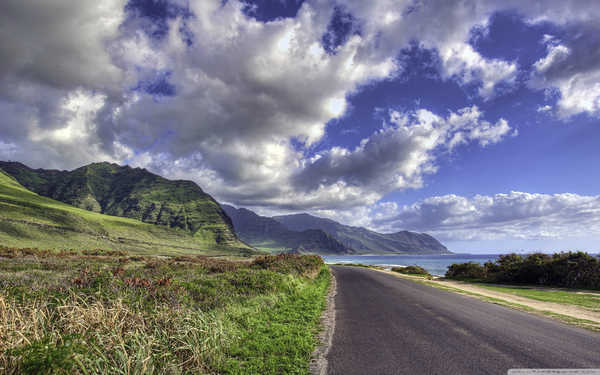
[(475, 121)]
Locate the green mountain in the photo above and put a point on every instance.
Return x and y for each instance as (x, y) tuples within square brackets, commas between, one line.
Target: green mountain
[(147, 212), (365, 241), (268, 234)]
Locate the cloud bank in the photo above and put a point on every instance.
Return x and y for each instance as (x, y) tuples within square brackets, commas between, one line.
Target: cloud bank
[(515, 215), (203, 90)]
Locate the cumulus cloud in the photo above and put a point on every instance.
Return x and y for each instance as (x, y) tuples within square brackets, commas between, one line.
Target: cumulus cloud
[(238, 105), (442, 26), (398, 155), (57, 71), (571, 65), (516, 215), (544, 108), (578, 84)]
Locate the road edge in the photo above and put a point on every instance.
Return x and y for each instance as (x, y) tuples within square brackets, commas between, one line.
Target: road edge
[(319, 363), (566, 319)]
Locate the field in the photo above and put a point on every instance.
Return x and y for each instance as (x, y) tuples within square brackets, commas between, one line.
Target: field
[(95, 312), (30, 220)]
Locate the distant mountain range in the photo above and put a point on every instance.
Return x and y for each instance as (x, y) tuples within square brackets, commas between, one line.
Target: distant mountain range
[(365, 241), (132, 193), (268, 234), (307, 233)]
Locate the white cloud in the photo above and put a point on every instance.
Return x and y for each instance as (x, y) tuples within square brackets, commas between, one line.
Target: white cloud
[(460, 60), (516, 215), (402, 152), (545, 108), (572, 68)]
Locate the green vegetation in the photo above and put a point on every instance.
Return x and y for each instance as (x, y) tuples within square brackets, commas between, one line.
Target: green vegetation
[(108, 312), (569, 270), (413, 270), (30, 220), (587, 300), (357, 265), (133, 193)]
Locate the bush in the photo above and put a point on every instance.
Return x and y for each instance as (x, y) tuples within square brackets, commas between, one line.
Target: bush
[(303, 265), (412, 270), (468, 270), (570, 270)]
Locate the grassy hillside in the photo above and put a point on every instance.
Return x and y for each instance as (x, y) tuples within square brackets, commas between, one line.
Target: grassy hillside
[(133, 193), (30, 220), (268, 234)]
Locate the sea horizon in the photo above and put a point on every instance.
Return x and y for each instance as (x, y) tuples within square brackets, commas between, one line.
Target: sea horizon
[(435, 264)]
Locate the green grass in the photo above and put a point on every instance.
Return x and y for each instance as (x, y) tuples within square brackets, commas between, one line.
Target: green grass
[(276, 339), (30, 220), (586, 300), (75, 313)]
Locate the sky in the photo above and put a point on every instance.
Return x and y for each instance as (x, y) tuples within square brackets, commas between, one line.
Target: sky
[(476, 121)]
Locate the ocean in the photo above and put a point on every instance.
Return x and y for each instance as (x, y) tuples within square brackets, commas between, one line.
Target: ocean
[(434, 264)]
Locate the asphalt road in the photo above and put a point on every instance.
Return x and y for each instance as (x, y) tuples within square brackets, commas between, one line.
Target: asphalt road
[(388, 325)]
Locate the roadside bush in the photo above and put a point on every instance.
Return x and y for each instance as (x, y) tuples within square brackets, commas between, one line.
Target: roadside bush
[(304, 265), (468, 270), (412, 270), (570, 270)]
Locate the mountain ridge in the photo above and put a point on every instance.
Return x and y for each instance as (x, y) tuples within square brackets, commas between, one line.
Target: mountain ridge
[(266, 233), (134, 193), (30, 220), (365, 241)]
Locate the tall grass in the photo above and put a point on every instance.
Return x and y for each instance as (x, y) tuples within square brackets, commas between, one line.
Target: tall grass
[(156, 316)]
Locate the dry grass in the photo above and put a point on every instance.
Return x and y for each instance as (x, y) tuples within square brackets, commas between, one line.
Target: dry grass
[(142, 316)]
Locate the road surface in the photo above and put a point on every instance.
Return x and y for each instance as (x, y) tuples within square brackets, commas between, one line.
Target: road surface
[(388, 325)]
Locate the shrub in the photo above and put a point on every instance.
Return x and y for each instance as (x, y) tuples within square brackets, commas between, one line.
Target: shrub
[(571, 270), (304, 265), (468, 270), (412, 270)]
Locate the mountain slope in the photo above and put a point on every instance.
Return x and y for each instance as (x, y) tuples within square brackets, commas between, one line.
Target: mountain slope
[(133, 193), (30, 220), (268, 234), (366, 241)]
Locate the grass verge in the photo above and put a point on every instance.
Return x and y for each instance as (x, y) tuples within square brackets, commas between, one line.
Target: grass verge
[(587, 300), (78, 313), (582, 323)]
